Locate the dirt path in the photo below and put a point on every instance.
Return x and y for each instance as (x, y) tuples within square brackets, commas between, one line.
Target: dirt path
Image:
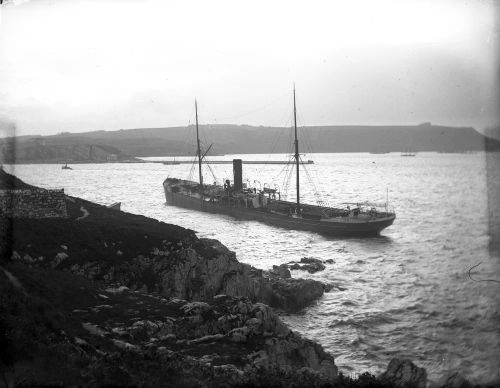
[(85, 214)]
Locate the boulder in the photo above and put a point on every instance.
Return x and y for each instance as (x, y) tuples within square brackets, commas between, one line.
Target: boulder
[(309, 264), (281, 271), (295, 294), (332, 286), (404, 374)]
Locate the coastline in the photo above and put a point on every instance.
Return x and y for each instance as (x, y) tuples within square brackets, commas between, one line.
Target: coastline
[(118, 291), (139, 159)]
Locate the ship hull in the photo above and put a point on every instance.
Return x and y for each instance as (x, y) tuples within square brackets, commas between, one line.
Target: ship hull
[(342, 226)]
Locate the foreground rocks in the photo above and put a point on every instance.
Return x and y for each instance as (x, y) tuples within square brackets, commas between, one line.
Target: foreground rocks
[(143, 254), (309, 264), (59, 329), (404, 374), (109, 298), (117, 336), (123, 299)]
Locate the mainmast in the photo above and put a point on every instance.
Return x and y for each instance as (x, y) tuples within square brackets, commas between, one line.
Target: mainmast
[(296, 151), (198, 142)]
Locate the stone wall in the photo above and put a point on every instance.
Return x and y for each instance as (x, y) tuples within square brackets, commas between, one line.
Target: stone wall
[(34, 203)]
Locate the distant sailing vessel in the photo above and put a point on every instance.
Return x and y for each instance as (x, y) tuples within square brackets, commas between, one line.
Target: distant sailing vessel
[(267, 206), (66, 167), (408, 152)]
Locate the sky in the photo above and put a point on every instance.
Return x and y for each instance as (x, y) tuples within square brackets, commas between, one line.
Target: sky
[(83, 65)]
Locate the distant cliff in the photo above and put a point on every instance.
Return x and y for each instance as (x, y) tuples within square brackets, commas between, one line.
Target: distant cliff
[(230, 139), (39, 150)]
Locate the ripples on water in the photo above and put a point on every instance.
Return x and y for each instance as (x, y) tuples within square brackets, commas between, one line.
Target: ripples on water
[(407, 292)]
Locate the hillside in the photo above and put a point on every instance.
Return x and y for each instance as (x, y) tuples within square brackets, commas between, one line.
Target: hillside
[(230, 139), (41, 150)]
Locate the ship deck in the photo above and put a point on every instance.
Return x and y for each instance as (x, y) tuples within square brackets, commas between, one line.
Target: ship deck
[(329, 221)]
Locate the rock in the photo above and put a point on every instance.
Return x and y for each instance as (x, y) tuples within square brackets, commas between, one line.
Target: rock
[(239, 334), (79, 341), (456, 380), (165, 342), (60, 257), (195, 308), (28, 259), (171, 261), (93, 329), (116, 290), (207, 338), (124, 345), (260, 359), (331, 286), (295, 294), (327, 287), (267, 321), (202, 302), (404, 374), (329, 369), (310, 264), (281, 271), (310, 260)]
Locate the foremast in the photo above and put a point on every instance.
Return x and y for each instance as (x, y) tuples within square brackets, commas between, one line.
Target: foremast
[(297, 156), (198, 144)]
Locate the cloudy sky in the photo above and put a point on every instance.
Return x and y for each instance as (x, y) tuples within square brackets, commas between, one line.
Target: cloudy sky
[(80, 65)]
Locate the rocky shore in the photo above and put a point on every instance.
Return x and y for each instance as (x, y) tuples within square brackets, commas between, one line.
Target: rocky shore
[(106, 298)]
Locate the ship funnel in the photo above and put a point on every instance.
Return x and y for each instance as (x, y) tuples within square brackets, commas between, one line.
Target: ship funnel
[(237, 174)]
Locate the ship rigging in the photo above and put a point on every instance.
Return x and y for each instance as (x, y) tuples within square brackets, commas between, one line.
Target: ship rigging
[(266, 205)]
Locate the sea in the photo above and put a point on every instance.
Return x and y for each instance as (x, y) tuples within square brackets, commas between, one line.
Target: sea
[(427, 289)]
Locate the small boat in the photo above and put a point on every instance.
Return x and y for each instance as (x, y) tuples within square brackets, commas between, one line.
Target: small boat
[(66, 167), (265, 205), (408, 152)]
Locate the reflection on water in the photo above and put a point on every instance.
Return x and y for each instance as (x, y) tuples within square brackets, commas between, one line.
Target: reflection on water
[(405, 293)]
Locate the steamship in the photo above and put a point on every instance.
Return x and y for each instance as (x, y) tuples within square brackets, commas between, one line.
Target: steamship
[(266, 205)]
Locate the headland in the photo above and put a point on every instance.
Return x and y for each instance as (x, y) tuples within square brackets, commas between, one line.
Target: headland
[(92, 296)]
